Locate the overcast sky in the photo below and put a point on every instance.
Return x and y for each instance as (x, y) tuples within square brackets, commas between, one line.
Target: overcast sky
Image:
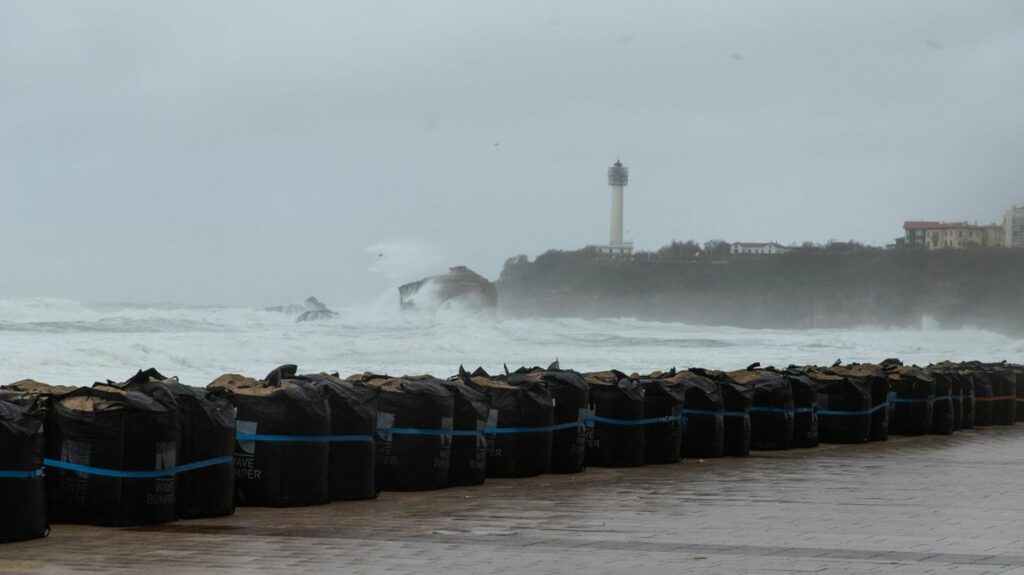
[(256, 152)]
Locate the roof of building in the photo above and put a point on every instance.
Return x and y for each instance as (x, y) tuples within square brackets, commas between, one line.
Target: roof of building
[(756, 244), (919, 225)]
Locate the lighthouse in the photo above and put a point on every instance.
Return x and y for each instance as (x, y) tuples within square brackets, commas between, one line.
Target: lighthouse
[(618, 177)]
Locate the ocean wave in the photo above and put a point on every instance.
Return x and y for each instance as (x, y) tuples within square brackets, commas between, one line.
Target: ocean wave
[(67, 342)]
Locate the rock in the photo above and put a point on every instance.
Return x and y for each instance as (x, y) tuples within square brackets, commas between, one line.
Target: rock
[(461, 283)]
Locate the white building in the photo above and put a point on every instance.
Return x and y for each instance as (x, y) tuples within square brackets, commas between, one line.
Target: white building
[(1013, 227), (615, 250), (753, 248)]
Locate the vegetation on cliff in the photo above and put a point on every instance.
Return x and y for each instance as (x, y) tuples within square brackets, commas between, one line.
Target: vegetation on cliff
[(833, 285)]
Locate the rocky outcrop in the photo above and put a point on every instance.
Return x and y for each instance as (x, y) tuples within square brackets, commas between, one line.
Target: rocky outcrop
[(310, 310), (460, 284)]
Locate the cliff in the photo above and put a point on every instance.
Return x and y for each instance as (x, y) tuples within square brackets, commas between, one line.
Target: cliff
[(809, 287)]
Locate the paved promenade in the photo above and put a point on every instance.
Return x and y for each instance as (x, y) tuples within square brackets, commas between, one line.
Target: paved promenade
[(910, 505)]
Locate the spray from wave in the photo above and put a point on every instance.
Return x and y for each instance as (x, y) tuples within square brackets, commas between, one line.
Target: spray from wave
[(67, 342), (404, 260)]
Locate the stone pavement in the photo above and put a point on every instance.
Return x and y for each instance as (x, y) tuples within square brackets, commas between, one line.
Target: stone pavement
[(910, 505)]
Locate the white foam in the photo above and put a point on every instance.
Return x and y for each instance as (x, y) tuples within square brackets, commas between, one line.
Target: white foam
[(66, 342)]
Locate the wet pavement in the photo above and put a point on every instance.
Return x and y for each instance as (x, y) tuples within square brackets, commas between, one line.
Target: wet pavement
[(910, 505)]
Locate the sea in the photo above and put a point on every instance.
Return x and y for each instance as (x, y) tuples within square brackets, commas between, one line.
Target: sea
[(74, 343)]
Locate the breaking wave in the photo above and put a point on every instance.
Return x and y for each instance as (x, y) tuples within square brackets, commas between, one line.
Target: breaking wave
[(68, 342)]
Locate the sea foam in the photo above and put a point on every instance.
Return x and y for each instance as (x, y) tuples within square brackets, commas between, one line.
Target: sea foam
[(68, 342)]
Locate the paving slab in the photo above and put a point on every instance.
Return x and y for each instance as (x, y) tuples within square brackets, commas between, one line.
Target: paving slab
[(929, 504)]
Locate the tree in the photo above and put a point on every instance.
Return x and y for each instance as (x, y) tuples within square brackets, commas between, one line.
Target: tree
[(679, 251), (513, 266), (716, 249)]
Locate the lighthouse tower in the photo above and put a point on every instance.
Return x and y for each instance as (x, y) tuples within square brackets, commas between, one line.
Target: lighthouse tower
[(618, 177)]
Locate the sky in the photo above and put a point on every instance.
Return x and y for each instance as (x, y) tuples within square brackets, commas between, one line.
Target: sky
[(257, 152)]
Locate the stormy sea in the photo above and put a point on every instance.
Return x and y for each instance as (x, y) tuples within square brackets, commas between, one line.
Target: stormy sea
[(72, 343)]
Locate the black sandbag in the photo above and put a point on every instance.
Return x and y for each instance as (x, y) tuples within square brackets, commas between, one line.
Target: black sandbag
[(46, 394), (415, 417), (880, 403), (944, 409), (704, 425), (911, 400), (968, 398), (469, 452), (1018, 373), (615, 402), (113, 430), (956, 390), (286, 464), (773, 411), (353, 453), (844, 407), (737, 400), (570, 395), (873, 378), (947, 378), (519, 424), (206, 431), (22, 487), (663, 440), (805, 403), (1004, 394), (983, 395), (956, 394)]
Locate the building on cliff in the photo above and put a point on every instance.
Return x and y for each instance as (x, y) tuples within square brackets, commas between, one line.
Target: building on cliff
[(753, 248), (1013, 227), (952, 235)]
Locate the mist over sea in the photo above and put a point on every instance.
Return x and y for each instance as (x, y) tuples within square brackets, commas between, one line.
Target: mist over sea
[(67, 342)]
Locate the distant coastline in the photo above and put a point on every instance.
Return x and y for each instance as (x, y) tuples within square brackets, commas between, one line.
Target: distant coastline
[(839, 285)]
